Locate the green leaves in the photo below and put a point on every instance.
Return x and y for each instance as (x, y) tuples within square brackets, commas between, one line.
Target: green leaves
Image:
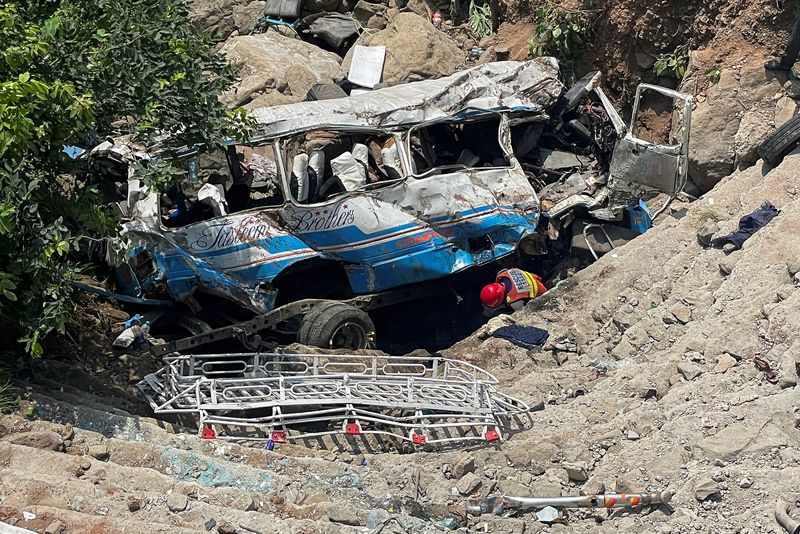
[(480, 19), (674, 63), (70, 70), (559, 32)]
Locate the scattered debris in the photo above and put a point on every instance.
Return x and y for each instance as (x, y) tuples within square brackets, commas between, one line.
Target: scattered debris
[(366, 68), (548, 514), (502, 504)]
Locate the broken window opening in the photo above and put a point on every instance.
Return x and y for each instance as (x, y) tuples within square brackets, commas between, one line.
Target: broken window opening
[(451, 146), (219, 183), (321, 165)]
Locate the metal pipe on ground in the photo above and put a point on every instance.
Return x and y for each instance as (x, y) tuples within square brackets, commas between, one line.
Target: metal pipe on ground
[(497, 505), (788, 523)]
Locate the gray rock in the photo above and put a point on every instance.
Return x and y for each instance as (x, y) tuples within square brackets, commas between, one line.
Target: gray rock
[(464, 463), (244, 502), (727, 248), (788, 369), (344, 515), (56, 527), (85, 463), (369, 15), (226, 528), (576, 471), (177, 502), (468, 484), (681, 312), (51, 441), (223, 17), (793, 266), (713, 147), (503, 525), (415, 50), (706, 232), (99, 452), (707, 490), (792, 88), (741, 437), (754, 128), (689, 371), (271, 60)]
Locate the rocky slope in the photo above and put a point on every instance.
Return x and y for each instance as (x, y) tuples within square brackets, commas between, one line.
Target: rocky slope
[(682, 405), (648, 383)]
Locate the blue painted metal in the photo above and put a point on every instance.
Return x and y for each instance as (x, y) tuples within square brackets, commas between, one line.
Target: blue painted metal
[(639, 218)]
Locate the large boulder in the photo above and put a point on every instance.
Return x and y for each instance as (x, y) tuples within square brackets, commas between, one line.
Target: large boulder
[(415, 50), (223, 17), (729, 124), (273, 63)]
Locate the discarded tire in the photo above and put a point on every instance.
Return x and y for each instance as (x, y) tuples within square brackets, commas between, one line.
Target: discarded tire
[(336, 325), (780, 142)]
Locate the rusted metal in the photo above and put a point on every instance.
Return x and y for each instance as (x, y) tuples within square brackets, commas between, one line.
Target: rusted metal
[(763, 366)]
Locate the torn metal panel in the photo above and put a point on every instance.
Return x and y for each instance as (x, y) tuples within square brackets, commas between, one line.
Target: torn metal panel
[(639, 166), (526, 85), (228, 256)]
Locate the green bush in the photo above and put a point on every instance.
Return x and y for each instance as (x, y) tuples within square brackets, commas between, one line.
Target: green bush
[(77, 69), (560, 33), (480, 19), (674, 63)]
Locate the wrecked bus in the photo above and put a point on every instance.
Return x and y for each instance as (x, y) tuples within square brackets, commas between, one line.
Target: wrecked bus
[(337, 207)]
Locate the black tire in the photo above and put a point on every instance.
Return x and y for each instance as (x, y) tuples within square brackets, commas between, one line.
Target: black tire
[(780, 142), (336, 325)]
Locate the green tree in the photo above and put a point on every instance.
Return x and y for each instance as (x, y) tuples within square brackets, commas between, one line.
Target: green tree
[(77, 69)]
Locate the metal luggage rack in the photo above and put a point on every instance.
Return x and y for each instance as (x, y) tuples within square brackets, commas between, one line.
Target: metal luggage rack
[(289, 397)]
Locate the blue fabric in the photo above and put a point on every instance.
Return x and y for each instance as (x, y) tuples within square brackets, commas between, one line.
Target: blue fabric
[(528, 337), (748, 225)]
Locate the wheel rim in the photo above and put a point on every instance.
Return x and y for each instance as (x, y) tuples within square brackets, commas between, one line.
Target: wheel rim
[(350, 336)]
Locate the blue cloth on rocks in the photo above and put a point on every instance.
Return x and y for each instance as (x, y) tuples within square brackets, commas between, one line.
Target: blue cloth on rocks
[(528, 337), (748, 225)]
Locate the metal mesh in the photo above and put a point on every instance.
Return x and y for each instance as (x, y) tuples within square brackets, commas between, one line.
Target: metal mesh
[(297, 396)]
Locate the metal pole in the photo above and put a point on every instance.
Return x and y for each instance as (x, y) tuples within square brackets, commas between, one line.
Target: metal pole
[(497, 505)]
